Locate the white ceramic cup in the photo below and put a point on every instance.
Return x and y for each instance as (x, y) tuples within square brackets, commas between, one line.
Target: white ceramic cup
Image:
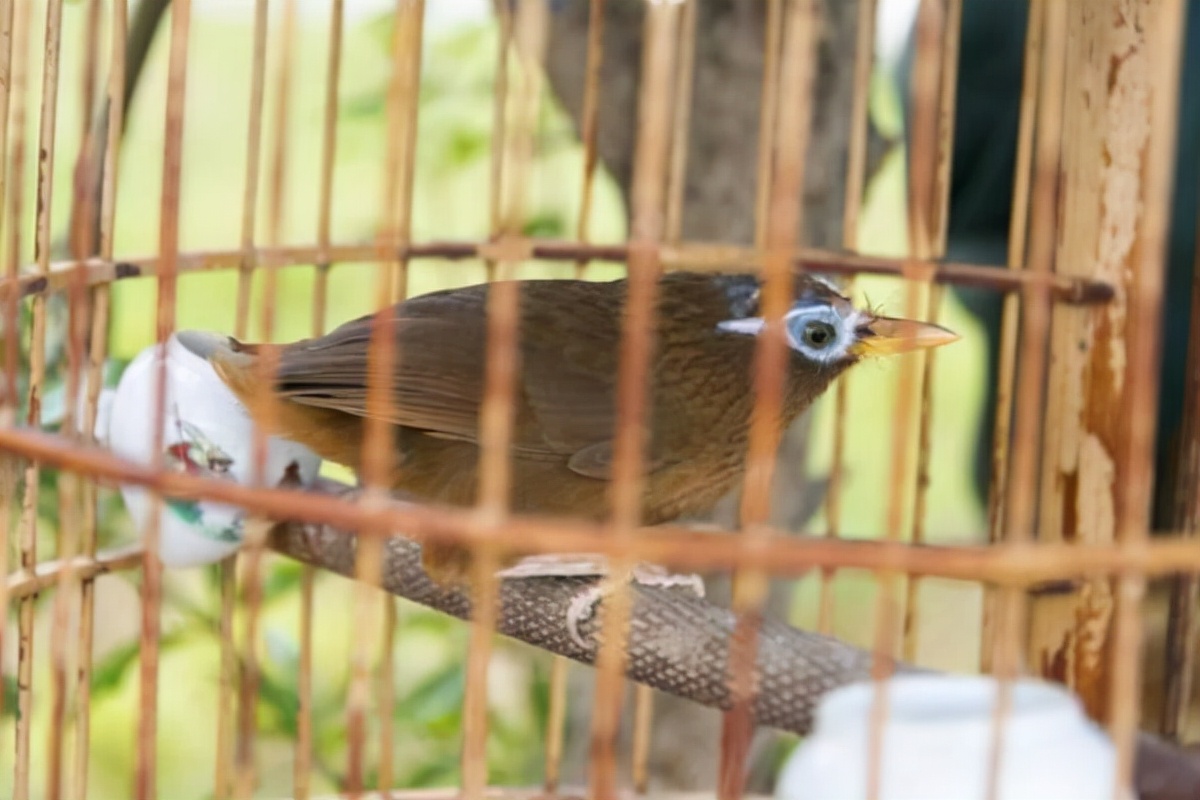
[(204, 425), (937, 744)]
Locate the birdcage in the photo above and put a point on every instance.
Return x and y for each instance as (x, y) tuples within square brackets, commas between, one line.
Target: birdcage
[(269, 170)]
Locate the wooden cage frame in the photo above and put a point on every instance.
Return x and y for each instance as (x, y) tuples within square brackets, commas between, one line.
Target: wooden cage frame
[(1058, 293)]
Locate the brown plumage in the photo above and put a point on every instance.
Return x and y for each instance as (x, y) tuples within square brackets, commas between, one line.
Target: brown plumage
[(700, 401)]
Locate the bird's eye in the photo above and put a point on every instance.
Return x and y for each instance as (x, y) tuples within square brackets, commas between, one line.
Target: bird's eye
[(819, 335)]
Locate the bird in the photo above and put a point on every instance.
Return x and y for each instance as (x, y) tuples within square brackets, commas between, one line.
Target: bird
[(700, 398)]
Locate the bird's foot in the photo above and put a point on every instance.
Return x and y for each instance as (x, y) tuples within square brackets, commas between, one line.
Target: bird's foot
[(583, 606), (553, 565)]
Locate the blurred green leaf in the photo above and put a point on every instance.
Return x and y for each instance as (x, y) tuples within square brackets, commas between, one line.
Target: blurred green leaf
[(539, 692), (280, 704), (366, 105), (442, 771), (436, 699), (282, 579), (109, 672), (464, 146), (10, 697), (546, 225)]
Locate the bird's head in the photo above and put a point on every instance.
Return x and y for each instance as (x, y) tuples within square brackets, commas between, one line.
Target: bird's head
[(824, 327)]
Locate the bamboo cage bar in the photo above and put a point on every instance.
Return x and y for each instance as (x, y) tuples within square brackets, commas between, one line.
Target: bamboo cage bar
[(788, 88), (100, 301), (1019, 228), (68, 529), (1091, 466), (677, 546), (928, 187), (1152, 155), (677, 178), (26, 527), (513, 155), (244, 776), (695, 256), (856, 168), (938, 214), (230, 676), (660, 53), (302, 771), (556, 711), (146, 768)]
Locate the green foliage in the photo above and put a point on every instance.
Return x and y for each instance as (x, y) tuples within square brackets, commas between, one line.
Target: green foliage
[(436, 703), (10, 697), (110, 672)]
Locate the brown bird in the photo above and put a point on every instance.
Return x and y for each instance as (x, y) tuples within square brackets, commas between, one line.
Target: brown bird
[(700, 400)]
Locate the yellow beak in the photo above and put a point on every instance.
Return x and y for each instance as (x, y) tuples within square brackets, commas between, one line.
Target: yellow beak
[(888, 336)]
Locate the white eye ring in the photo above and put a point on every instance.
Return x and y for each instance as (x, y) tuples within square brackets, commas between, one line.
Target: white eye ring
[(844, 330), (819, 333)]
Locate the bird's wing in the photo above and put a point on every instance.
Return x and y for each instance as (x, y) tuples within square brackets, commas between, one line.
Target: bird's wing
[(564, 403), (437, 365)]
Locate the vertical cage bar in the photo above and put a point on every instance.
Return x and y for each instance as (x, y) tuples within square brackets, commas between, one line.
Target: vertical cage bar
[(1020, 512), (556, 712), (377, 455), (938, 213), (389, 620), (782, 169), (145, 773), (73, 489), (1084, 478), (647, 196), (227, 691), (1010, 619), (258, 70), (37, 372), (1018, 239), (500, 379), (281, 140), (92, 29), (502, 9), (385, 689), (681, 108), (333, 71), (768, 107), (15, 97), (302, 770), (10, 220), (1157, 31), (928, 150), (101, 306), (856, 170), (856, 163), (588, 127), (256, 529), (226, 681), (643, 706)]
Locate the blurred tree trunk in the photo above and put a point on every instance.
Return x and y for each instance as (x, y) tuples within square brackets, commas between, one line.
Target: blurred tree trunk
[(719, 206)]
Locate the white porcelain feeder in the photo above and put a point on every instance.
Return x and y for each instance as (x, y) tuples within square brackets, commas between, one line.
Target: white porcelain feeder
[(937, 744), (206, 431)]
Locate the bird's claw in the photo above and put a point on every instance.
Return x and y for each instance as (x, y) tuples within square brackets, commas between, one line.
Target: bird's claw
[(583, 606)]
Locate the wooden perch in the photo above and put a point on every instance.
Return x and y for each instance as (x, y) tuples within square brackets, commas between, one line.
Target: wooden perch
[(678, 643)]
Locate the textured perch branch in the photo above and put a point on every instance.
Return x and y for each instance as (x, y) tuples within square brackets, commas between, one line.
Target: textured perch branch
[(679, 644)]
